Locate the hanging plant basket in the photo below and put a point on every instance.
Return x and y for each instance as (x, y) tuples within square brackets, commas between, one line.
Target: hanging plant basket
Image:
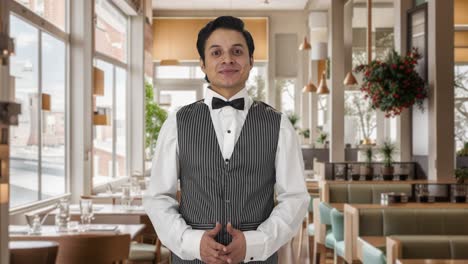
[(393, 84)]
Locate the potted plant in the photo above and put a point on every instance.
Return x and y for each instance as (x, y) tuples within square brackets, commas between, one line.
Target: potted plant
[(154, 119), (393, 84), (462, 156), (322, 138), (367, 170), (387, 150), (461, 174)]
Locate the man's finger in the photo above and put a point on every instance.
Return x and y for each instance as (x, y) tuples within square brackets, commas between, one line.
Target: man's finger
[(231, 230), (214, 260), (215, 245), (209, 251), (213, 232)]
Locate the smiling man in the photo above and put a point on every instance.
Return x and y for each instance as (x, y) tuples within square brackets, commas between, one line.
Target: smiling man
[(233, 156)]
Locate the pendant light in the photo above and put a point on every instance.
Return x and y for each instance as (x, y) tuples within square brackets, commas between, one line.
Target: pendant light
[(309, 88), (323, 88), (350, 80), (305, 45)]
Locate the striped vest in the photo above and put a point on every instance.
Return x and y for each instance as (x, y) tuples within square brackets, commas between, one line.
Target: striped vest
[(240, 189)]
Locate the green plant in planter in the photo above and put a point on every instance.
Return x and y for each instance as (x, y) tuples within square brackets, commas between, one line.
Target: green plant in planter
[(387, 150), (322, 138), (293, 118), (367, 170), (461, 174), (305, 133), (154, 118), (464, 151)]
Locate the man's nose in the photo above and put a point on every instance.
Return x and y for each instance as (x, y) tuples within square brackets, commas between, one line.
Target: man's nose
[(228, 58)]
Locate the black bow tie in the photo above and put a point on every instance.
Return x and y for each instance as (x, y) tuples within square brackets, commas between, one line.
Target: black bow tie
[(220, 103)]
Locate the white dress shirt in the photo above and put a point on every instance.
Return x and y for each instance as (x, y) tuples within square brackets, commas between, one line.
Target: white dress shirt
[(162, 207)]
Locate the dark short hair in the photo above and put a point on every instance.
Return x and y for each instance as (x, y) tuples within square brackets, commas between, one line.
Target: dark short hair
[(225, 22)]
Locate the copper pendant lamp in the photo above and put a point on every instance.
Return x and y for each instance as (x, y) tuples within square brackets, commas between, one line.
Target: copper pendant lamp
[(350, 80), (305, 45), (323, 88), (309, 88)]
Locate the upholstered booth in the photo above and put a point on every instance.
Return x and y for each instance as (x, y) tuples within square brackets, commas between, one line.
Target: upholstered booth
[(411, 222), (427, 247), (363, 193)]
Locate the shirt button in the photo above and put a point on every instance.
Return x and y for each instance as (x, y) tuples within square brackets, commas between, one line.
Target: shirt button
[(251, 258), (229, 131), (227, 160)]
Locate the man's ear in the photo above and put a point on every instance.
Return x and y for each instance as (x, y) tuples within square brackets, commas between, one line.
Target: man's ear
[(202, 65), (251, 60)]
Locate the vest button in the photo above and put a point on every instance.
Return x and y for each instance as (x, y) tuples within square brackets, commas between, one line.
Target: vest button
[(228, 201)]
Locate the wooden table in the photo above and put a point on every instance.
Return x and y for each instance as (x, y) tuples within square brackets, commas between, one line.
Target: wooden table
[(432, 261), (376, 241), (20, 232)]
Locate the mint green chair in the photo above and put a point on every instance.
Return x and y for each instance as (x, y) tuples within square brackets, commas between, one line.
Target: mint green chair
[(373, 255), (325, 210), (337, 223)]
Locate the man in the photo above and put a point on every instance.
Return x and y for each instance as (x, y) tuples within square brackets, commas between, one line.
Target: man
[(230, 154)]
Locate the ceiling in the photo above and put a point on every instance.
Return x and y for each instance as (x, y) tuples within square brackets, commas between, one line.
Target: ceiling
[(229, 4)]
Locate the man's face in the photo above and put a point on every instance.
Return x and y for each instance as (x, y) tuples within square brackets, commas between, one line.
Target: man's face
[(227, 62)]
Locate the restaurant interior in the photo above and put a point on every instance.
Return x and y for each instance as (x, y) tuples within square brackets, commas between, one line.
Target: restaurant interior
[(376, 90)]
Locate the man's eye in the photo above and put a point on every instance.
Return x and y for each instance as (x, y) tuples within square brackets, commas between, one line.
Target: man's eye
[(237, 52), (216, 53)]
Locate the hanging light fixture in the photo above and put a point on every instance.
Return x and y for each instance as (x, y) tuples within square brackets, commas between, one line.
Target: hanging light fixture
[(309, 88), (323, 88), (305, 45), (350, 80)]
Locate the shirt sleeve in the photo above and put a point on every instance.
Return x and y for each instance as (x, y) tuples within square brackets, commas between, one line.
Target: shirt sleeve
[(292, 196), (160, 201)]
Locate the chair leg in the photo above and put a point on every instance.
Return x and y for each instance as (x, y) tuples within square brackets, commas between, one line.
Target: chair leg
[(311, 249), (338, 260)]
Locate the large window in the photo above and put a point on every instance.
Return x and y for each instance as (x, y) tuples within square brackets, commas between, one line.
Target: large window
[(285, 95), (360, 118), (51, 10), (110, 30), (109, 143), (38, 143), (461, 105), (110, 148)]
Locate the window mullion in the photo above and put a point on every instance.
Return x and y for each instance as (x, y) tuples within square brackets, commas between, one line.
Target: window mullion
[(114, 117), (39, 114)]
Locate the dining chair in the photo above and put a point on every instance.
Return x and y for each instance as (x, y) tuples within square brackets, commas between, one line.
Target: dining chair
[(91, 248), (42, 252)]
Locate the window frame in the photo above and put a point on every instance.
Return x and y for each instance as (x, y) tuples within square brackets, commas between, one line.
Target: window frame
[(42, 25), (126, 67)]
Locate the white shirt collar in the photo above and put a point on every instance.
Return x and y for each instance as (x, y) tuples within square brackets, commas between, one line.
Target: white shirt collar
[(209, 94)]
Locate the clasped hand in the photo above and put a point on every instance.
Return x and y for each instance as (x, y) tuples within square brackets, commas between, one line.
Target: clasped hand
[(212, 252)]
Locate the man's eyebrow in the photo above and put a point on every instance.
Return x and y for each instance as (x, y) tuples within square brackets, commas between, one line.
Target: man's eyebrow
[(235, 45)]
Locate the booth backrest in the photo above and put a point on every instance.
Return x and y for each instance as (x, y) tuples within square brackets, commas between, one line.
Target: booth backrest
[(396, 221), (364, 193), (433, 247)]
